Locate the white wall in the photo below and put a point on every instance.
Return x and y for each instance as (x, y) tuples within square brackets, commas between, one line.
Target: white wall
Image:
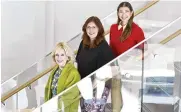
[(166, 11), (71, 15), (23, 35)]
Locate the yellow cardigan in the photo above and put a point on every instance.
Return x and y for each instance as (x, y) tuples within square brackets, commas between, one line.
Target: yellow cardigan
[(69, 76)]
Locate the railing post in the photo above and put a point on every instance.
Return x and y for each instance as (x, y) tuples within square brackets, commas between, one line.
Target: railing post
[(3, 103)]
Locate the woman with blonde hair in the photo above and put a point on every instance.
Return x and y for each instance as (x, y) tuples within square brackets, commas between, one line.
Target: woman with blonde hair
[(63, 76)]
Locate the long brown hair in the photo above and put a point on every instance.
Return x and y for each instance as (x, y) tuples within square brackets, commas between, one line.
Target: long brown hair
[(100, 35), (128, 29)]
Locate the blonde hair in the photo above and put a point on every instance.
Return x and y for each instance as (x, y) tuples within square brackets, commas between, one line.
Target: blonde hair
[(69, 53)]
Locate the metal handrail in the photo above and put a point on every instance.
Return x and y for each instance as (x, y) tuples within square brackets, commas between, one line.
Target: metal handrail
[(11, 93)]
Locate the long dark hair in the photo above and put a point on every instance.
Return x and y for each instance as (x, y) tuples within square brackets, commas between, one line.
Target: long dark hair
[(100, 35), (128, 29)]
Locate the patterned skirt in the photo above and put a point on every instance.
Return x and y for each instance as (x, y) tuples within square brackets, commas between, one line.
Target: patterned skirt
[(95, 105)]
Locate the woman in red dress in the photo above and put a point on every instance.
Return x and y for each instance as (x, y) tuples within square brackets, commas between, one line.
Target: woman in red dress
[(125, 33)]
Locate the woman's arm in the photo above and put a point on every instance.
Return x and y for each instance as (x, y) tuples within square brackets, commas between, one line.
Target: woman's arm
[(140, 37), (106, 54)]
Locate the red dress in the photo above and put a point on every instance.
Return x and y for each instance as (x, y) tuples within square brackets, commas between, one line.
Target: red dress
[(135, 37)]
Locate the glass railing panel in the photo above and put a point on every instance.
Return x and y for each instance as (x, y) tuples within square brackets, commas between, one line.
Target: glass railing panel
[(28, 98), (33, 70), (162, 79), (131, 77), (18, 103), (27, 75), (10, 105), (74, 42)]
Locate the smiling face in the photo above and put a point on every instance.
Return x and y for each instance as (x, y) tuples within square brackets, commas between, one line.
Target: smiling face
[(60, 57), (92, 30), (124, 14)]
